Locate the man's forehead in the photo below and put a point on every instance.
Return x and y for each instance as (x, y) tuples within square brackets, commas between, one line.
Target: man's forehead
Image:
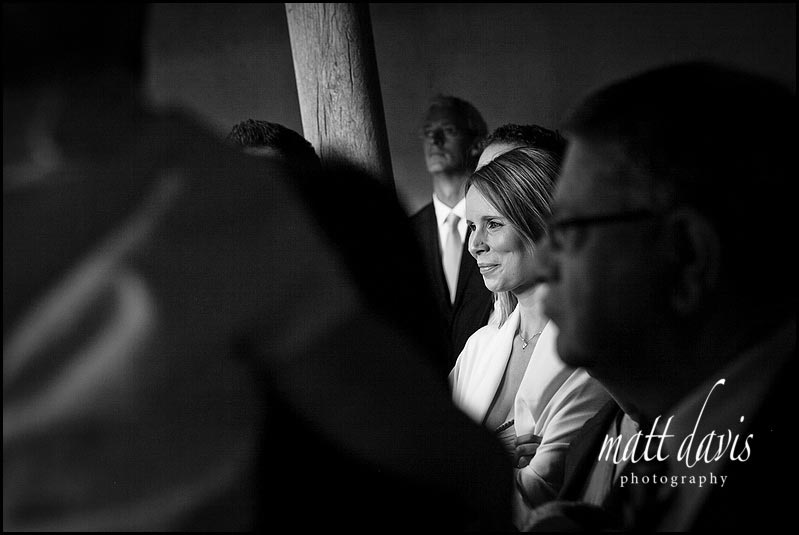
[(442, 115), (596, 176), (266, 152)]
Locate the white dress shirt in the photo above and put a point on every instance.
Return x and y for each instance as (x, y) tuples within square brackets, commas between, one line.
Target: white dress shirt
[(442, 211)]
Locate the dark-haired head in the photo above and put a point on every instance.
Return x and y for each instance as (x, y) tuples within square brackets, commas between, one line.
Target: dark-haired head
[(511, 136), (263, 138), (719, 141)]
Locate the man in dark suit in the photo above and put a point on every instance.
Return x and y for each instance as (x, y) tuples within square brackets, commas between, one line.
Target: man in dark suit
[(670, 283), (452, 133)]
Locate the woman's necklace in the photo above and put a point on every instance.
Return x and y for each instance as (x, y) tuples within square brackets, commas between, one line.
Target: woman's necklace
[(526, 341)]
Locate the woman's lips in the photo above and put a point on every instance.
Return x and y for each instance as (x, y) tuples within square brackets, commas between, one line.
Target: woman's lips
[(487, 268)]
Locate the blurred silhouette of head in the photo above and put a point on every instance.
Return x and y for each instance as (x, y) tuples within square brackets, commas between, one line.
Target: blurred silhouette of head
[(263, 138)]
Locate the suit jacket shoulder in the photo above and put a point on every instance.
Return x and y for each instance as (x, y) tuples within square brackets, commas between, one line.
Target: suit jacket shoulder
[(473, 301)]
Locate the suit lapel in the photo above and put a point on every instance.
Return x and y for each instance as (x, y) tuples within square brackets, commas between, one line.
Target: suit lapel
[(466, 272), (584, 449), (432, 251)]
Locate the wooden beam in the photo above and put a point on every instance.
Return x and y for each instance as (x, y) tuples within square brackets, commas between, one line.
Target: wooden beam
[(338, 86)]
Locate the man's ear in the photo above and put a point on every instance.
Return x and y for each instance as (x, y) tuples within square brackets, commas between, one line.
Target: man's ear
[(694, 248)]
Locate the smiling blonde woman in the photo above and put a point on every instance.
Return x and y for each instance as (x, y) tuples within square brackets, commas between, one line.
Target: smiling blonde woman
[(509, 377)]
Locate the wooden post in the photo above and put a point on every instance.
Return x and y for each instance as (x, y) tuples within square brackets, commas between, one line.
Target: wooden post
[(338, 86)]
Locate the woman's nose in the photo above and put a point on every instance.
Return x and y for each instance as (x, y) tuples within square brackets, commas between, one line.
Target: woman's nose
[(477, 244)]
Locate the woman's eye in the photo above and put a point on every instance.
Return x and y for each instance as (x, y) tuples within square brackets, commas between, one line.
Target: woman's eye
[(470, 226), (493, 224)]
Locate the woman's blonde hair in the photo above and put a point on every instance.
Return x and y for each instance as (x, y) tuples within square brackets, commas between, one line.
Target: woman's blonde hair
[(519, 184)]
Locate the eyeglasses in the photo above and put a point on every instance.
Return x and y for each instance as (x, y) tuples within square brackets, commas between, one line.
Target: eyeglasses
[(448, 131), (559, 227)]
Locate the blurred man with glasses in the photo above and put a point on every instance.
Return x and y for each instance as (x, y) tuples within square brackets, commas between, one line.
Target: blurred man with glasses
[(670, 281)]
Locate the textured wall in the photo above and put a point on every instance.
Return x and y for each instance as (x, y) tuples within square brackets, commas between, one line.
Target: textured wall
[(516, 62)]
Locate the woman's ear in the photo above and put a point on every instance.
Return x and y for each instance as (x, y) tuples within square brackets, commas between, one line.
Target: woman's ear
[(694, 249)]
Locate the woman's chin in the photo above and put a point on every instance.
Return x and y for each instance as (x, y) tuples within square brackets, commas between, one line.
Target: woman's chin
[(493, 286)]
